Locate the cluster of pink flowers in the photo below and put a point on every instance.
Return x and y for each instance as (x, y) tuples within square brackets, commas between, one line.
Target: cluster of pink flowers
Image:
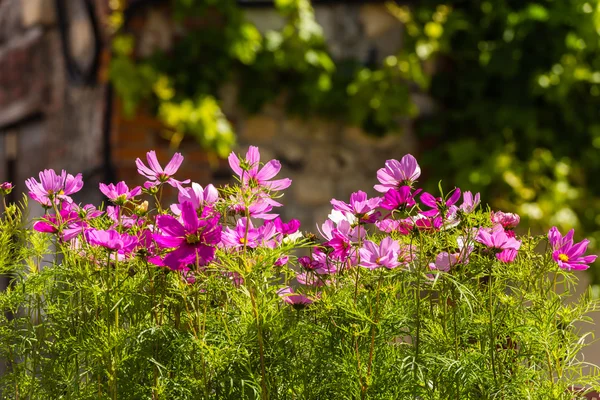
[(184, 237), (190, 234)]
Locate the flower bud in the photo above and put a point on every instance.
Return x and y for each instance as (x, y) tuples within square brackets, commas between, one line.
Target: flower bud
[(6, 188)]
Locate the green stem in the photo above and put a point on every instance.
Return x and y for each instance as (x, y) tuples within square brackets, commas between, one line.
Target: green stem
[(373, 332), (263, 383), (492, 341)]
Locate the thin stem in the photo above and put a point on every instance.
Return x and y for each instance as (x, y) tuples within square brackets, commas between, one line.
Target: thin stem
[(373, 332), (455, 342), (263, 383), (492, 349)]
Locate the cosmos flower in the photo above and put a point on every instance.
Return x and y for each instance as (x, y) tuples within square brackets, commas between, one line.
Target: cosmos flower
[(470, 202), (156, 174), (567, 255), (401, 198), (119, 193), (297, 300), (194, 239), (252, 175), (198, 196), (383, 255), (398, 173), (110, 239), (439, 205), (496, 238), (507, 220), (53, 188), (360, 206), (241, 236)]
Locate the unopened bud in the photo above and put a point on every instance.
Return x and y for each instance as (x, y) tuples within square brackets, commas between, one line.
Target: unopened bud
[(6, 188)]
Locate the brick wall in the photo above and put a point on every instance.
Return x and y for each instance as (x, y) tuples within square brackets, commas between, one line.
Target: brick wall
[(57, 124)]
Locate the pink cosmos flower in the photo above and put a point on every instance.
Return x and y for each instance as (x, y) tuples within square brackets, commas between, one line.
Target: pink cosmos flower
[(404, 227), (110, 239), (52, 188), (444, 261), (6, 188), (120, 193), (194, 239), (311, 279), (126, 221), (260, 207), (360, 206), (241, 236), (424, 223), (155, 173), (72, 221), (496, 238), (251, 175), (507, 220), (297, 300), (470, 202), (401, 198), (398, 173), (383, 255), (286, 228), (54, 224), (198, 196), (439, 205), (320, 263), (567, 255)]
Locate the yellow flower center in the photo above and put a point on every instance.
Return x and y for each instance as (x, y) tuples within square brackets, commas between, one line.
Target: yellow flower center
[(243, 241), (192, 239), (378, 260), (563, 257)]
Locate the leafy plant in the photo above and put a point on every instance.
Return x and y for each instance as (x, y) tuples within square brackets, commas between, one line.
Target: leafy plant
[(407, 295)]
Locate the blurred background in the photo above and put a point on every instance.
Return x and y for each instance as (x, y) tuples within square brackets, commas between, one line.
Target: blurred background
[(500, 96)]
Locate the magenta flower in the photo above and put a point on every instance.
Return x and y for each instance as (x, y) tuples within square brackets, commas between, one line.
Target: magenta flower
[(470, 202), (507, 220), (399, 199), (259, 208), (120, 193), (360, 206), (241, 236), (439, 205), (6, 188), (54, 224), (311, 279), (320, 263), (496, 238), (567, 255), (424, 223), (110, 239), (294, 299), (444, 261), (383, 255), (127, 221), (252, 175), (194, 239), (155, 173), (403, 227), (52, 188), (71, 222), (287, 228), (198, 196), (557, 240), (398, 173)]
